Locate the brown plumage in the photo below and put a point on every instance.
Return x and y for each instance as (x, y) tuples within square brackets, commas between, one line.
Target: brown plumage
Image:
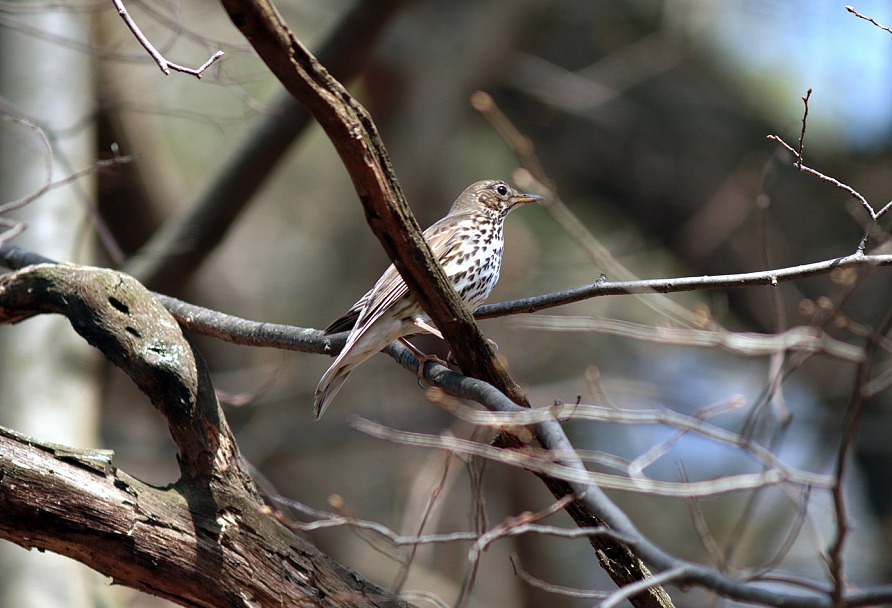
[(468, 243)]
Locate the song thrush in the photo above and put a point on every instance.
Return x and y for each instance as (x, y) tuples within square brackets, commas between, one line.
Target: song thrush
[(468, 243)]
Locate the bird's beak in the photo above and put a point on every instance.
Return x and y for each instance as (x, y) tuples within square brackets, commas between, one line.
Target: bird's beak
[(523, 199)]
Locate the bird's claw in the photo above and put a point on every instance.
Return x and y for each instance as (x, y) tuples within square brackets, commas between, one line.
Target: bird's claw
[(423, 360)]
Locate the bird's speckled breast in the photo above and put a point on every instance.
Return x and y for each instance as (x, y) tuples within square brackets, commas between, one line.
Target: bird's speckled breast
[(475, 271)]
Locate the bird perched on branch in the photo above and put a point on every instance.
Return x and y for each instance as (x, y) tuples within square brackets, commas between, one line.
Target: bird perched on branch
[(468, 244)]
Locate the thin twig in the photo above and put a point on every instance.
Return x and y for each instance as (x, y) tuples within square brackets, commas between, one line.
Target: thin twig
[(729, 483), (805, 99), (550, 587), (729, 281), (857, 405), (13, 227), (787, 543), (866, 18), (509, 527), (165, 65), (701, 527), (803, 338), (620, 595), (826, 178)]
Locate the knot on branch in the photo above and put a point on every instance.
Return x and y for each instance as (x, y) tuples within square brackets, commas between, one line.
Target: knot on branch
[(116, 314)]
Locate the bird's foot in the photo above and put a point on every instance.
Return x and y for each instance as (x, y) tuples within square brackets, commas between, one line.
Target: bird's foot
[(422, 359)]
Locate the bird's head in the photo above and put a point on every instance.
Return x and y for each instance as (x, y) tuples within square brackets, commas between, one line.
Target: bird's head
[(493, 195)]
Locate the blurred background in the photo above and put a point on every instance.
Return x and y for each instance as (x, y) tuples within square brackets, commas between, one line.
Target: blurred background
[(649, 117)]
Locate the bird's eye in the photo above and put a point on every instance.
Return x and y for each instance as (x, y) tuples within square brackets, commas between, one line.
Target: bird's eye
[(502, 189)]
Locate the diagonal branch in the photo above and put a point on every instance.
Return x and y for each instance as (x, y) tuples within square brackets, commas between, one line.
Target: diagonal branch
[(178, 248), (355, 137)]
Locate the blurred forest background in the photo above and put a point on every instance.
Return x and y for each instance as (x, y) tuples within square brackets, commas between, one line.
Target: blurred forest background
[(651, 119)]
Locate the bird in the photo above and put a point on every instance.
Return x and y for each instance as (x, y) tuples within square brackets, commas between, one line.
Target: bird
[(468, 243)]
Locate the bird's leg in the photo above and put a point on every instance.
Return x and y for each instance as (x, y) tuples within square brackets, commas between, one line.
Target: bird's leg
[(422, 324), (422, 358), (430, 328)]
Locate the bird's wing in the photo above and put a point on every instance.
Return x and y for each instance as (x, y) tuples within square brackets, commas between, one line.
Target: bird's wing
[(440, 237), (347, 320)]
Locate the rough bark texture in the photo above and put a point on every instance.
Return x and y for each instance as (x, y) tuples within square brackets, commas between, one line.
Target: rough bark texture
[(207, 540)]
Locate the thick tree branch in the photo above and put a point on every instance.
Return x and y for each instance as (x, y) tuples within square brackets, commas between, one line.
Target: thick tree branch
[(203, 547), (355, 137), (590, 498), (207, 540), (116, 314)]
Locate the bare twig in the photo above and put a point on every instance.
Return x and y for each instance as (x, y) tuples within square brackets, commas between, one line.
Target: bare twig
[(165, 65), (533, 178), (509, 527), (866, 18), (550, 587), (729, 281), (805, 339), (16, 227), (826, 178), (857, 404), (47, 161), (873, 216), (805, 99), (620, 595), (701, 527), (730, 483), (787, 543)]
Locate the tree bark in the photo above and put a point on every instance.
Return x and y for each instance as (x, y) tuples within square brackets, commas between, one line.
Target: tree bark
[(207, 540)]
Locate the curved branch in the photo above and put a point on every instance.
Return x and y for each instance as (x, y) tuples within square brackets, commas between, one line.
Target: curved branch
[(116, 314), (208, 540)]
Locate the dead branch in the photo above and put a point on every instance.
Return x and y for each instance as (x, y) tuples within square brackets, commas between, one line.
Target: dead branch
[(207, 540), (165, 65)]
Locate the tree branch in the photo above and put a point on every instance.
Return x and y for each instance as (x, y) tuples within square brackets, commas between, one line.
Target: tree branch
[(165, 65), (178, 248), (355, 137), (206, 540), (589, 498)]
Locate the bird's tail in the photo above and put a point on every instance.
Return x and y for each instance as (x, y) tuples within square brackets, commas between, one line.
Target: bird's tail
[(329, 386)]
